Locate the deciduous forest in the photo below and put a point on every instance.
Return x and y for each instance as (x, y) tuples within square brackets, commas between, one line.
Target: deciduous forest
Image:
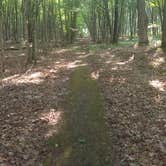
[(82, 82)]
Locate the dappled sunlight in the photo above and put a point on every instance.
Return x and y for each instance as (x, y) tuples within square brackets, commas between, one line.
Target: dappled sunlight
[(52, 118), (75, 64), (126, 62), (95, 75), (156, 43), (157, 58), (58, 65), (117, 80), (107, 54), (109, 59), (117, 64), (80, 53), (15, 55), (159, 85), (35, 78), (53, 71), (22, 54), (121, 68), (61, 51), (157, 61), (83, 56), (114, 68)]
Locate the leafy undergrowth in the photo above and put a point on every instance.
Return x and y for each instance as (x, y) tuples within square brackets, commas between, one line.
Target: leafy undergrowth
[(33, 104)]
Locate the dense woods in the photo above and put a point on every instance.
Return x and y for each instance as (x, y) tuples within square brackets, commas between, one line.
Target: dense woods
[(60, 21)]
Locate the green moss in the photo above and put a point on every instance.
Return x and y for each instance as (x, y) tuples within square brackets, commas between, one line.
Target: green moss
[(84, 138)]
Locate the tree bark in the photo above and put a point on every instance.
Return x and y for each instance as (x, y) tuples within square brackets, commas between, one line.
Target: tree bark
[(116, 19), (142, 23), (164, 26), (2, 68)]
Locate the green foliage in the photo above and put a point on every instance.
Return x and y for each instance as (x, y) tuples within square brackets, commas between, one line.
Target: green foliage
[(64, 20)]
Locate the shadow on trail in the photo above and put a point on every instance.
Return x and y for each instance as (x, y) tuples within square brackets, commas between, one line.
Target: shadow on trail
[(83, 139)]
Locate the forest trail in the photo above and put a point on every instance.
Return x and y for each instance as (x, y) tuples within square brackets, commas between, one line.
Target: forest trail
[(43, 109), (83, 138)]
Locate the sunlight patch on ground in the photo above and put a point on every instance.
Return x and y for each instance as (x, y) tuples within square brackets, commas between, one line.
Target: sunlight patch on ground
[(158, 85), (83, 56), (107, 54), (158, 61), (121, 68), (11, 55), (75, 64), (38, 77), (53, 71), (108, 57), (156, 43), (61, 51), (126, 62), (59, 66), (22, 54), (35, 78), (81, 53), (52, 118), (119, 80), (114, 68), (68, 65), (95, 75)]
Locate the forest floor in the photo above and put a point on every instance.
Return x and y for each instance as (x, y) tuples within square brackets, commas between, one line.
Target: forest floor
[(36, 102)]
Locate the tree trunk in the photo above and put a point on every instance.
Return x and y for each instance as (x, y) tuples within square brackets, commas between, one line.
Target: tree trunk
[(31, 23), (142, 23), (164, 27), (116, 19), (2, 68), (108, 20)]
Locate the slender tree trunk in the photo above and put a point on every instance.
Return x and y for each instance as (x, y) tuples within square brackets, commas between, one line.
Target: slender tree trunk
[(121, 19), (31, 23), (164, 27), (108, 20), (73, 26), (160, 10), (142, 23), (2, 68), (116, 19)]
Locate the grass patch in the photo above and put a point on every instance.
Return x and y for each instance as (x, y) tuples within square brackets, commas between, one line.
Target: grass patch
[(84, 138)]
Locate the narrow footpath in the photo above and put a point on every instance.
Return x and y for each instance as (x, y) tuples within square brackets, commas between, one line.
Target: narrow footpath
[(83, 139)]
